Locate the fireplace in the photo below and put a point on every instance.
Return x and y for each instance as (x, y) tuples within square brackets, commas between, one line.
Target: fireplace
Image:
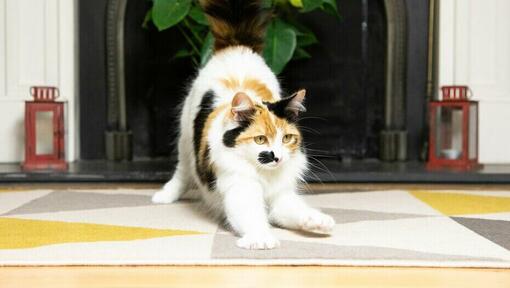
[(366, 82), (138, 117)]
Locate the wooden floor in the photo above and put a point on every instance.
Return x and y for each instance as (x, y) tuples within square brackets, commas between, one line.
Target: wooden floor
[(225, 277), (246, 276)]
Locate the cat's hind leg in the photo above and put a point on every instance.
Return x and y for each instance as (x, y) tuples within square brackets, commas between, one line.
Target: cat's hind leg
[(174, 188), (182, 179)]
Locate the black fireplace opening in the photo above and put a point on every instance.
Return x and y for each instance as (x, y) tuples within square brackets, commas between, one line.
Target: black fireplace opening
[(345, 81)]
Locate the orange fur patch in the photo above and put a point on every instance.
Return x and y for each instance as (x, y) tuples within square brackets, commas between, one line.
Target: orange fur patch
[(231, 83), (262, 124), (259, 88), (255, 85)]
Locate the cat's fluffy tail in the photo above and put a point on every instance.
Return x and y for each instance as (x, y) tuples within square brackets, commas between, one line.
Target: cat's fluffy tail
[(237, 22)]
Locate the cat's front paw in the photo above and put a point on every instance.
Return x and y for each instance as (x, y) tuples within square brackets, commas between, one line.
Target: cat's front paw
[(164, 197), (317, 222), (258, 241)]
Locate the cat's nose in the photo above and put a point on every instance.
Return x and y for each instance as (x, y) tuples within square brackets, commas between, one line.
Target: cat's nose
[(275, 158)]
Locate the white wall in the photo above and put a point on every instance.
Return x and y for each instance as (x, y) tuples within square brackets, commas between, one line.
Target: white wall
[(37, 47), (475, 50)]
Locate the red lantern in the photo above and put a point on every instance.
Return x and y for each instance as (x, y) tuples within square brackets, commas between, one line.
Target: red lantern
[(453, 139), (44, 108)]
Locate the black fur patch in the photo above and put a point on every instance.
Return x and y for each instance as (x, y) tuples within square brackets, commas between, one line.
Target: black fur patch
[(207, 174), (280, 109), (229, 138), (199, 122), (266, 157), (204, 171)]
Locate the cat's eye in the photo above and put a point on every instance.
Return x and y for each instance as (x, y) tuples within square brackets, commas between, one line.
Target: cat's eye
[(287, 138), (261, 139)]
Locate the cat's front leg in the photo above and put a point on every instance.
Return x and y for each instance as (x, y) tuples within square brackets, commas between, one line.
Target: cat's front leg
[(289, 210), (246, 213)]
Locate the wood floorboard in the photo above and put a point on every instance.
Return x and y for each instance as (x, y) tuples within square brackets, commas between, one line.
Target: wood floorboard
[(242, 276)]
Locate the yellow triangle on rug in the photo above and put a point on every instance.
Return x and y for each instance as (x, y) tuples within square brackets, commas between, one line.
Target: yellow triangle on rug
[(26, 233), (463, 204)]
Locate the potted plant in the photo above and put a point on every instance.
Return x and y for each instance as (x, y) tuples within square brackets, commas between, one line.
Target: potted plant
[(286, 37)]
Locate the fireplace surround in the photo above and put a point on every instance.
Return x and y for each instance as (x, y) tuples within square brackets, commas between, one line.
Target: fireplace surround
[(401, 100)]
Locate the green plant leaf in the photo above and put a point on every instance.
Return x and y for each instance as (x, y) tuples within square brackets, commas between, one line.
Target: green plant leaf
[(305, 36), (198, 31), (198, 15), (182, 54), (330, 7), (280, 45), (306, 39), (207, 49), (309, 5), (301, 53), (286, 24), (147, 19), (296, 3), (167, 13)]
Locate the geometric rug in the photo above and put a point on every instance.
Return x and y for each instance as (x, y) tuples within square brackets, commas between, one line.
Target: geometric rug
[(374, 228)]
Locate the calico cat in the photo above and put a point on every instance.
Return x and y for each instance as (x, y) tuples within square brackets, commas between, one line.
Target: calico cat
[(239, 143)]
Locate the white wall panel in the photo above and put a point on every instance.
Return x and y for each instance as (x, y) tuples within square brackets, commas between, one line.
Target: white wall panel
[(12, 131), (3, 89), (28, 53), (475, 50), (37, 47), (494, 138)]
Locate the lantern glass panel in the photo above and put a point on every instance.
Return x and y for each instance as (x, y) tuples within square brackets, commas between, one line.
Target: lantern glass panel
[(473, 133), (449, 132), (44, 132)]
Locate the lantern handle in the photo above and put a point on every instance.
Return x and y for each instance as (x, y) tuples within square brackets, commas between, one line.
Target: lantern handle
[(57, 92), (469, 93)]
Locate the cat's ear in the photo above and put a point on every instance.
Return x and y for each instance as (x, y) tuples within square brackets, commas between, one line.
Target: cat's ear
[(295, 104), (289, 107), (242, 107)]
